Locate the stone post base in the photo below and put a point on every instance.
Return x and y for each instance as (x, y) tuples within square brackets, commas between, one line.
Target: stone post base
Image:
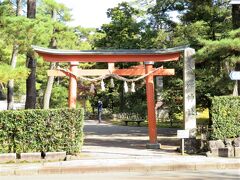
[(191, 145), (153, 146)]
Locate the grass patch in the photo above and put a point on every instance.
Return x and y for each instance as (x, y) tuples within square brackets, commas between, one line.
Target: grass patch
[(203, 117)]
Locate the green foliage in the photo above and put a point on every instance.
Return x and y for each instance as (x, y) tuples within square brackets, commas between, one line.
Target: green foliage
[(215, 60), (213, 12), (25, 32), (59, 97), (88, 107), (41, 130), (123, 30), (87, 37), (109, 97), (49, 7), (225, 117), (159, 17), (211, 82), (6, 73), (6, 9), (222, 50), (136, 102), (172, 90), (190, 34)]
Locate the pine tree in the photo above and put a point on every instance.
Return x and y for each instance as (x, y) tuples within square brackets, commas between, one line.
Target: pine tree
[(31, 64)]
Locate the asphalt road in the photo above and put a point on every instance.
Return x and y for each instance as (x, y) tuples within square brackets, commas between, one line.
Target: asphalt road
[(179, 175)]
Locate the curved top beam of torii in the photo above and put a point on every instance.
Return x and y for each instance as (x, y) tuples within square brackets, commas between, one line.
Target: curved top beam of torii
[(110, 55)]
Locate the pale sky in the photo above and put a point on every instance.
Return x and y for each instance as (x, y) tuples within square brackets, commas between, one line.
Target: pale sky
[(90, 13)]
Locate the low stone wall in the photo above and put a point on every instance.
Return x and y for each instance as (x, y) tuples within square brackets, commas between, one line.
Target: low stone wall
[(227, 148), (32, 157)]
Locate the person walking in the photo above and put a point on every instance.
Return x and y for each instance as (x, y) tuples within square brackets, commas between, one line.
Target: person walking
[(100, 108)]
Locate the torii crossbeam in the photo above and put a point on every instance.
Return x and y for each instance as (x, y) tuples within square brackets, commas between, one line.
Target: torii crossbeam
[(112, 56)]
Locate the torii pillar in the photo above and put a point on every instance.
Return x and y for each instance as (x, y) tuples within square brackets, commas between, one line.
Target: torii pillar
[(152, 126), (72, 90)]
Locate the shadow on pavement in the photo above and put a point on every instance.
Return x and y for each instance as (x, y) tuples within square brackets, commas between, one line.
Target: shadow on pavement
[(107, 135)]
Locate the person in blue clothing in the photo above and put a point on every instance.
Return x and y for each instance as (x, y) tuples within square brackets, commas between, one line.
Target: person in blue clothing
[(100, 108)]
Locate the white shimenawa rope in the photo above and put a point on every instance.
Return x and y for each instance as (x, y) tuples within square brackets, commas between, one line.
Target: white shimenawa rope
[(109, 75)]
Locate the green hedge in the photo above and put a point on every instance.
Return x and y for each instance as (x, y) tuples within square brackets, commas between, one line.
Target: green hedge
[(41, 130), (225, 112)]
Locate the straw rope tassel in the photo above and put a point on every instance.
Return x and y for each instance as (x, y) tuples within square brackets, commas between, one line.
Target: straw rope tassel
[(102, 85), (92, 88), (133, 87), (112, 83), (125, 87)]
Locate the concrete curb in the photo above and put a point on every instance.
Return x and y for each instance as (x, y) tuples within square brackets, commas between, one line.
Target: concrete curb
[(115, 165)]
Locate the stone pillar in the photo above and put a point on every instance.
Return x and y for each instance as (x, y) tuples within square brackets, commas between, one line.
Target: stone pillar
[(72, 91), (159, 103), (159, 87), (189, 92), (189, 100), (152, 127)]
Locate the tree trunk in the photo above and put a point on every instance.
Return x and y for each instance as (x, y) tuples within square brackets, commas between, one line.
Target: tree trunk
[(236, 90), (2, 95), (236, 25), (31, 9), (10, 90), (19, 8), (48, 91), (31, 83), (236, 16), (31, 64)]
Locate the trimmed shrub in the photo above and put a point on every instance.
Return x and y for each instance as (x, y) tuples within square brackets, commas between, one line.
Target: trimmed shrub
[(41, 130), (225, 113)]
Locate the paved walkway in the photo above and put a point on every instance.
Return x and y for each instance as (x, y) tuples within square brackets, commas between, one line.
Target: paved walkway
[(110, 148), (118, 141)]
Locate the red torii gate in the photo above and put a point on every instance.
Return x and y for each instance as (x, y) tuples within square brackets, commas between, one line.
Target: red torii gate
[(112, 56)]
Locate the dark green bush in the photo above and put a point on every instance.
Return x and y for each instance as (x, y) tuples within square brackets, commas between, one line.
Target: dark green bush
[(225, 112), (41, 130)]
